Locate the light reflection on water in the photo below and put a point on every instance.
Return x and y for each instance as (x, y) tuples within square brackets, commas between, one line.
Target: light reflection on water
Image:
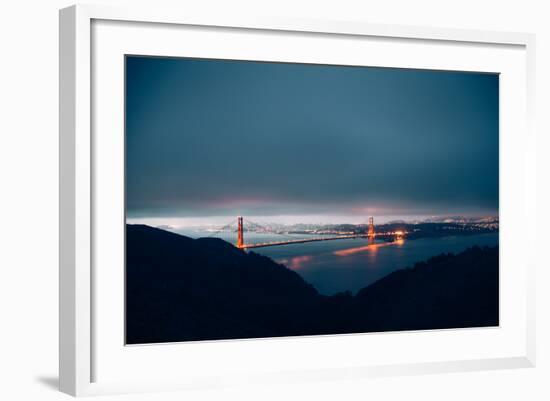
[(352, 264), (296, 262), (367, 248)]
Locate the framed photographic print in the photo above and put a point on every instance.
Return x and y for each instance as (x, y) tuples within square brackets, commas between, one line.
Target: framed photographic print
[(274, 200)]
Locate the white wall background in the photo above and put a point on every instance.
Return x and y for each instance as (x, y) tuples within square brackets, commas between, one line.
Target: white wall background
[(29, 186)]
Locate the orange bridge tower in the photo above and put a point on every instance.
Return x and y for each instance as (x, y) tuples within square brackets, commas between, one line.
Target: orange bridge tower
[(371, 234), (240, 237)]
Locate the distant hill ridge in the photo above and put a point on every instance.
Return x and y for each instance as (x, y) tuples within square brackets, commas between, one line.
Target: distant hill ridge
[(181, 289)]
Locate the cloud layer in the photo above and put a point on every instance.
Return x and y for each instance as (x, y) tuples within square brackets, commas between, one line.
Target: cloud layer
[(207, 137)]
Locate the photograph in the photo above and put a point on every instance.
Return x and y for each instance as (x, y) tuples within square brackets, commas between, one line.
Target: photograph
[(273, 199)]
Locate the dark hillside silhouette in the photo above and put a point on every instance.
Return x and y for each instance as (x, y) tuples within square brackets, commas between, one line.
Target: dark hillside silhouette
[(181, 289), (444, 291)]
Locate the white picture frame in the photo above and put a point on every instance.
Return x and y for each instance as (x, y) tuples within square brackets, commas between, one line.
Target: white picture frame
[(79, 227)]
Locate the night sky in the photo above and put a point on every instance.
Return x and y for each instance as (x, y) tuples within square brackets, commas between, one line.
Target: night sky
[(208, 140)]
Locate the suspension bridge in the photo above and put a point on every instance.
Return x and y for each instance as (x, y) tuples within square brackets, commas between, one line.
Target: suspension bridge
[(240, 226)]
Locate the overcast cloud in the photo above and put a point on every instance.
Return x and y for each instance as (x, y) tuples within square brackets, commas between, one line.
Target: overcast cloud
[(227, 138)]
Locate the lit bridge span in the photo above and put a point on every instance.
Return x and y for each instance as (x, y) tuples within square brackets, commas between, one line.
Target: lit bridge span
[(370, 234)]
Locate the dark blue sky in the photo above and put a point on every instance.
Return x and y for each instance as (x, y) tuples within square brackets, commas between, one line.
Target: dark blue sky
[(227, 138)]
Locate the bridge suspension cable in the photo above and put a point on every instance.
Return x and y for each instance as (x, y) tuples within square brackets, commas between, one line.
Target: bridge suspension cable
[(243, 225), (267, 230)]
